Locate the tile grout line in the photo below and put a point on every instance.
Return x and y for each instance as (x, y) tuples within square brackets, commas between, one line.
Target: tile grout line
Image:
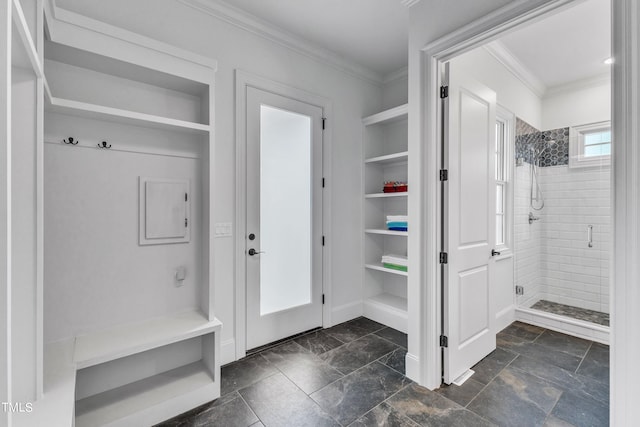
[(584, 357)]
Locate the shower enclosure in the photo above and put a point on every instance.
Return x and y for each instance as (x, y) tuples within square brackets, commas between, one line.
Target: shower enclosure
[(562, 222)]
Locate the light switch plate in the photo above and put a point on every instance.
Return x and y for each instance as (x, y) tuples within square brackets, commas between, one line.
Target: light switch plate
[(224, 229)]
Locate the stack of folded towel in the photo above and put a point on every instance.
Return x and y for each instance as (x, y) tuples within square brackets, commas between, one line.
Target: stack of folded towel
[(397, 222), (395, 262)]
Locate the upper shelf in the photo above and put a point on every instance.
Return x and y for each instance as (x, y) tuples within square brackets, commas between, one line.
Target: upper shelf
[(117, 115), (393, 114), (389, 159), (124, 340)]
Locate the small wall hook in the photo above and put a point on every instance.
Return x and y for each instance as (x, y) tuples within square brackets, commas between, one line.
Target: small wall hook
[(104, 145), (71, 141)]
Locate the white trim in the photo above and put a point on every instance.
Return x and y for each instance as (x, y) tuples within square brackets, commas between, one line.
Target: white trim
[(402, 73), (347, 312), (500, 52), (566, 325), (251, 23), (588, 83), (227, 351), (425, 283), (243, 80)]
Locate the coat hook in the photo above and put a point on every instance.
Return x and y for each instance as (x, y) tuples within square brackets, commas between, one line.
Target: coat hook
[(104, 145), (71, 141)]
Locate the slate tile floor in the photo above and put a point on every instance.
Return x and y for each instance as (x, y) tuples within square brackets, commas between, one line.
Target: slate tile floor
[(353, 375)]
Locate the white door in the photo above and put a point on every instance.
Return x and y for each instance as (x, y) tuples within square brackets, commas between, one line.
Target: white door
[(470, 230), (284, 217)]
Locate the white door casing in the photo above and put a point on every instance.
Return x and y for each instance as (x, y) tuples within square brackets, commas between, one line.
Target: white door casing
[(469, 321), (267, 326)]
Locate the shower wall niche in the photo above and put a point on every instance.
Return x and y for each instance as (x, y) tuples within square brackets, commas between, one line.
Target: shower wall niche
[(561, 227)]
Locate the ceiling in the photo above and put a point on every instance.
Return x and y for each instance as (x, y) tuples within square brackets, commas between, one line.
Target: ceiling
[(371, 33), (567, 47)]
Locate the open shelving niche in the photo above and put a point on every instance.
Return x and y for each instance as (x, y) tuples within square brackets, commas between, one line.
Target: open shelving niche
[(149, 98), (385, 158)]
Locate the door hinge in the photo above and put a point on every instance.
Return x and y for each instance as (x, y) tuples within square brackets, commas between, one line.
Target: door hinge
[(444, 175), (186, 197), (322, 298), (324, 123), (322, 240), (186, 222), (444, 91), (444, 341), (444, 258), (322, 182)]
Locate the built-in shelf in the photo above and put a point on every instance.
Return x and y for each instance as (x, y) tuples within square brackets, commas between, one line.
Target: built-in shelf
[(389, 159), (387, 309), (388, 116), (23, 50), (124, 340), (386, 232), (117, 115), (380, 267), (141, 402), (386, 195)]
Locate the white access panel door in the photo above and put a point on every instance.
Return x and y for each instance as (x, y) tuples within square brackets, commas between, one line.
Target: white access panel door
[(284, 217), (470, 230)]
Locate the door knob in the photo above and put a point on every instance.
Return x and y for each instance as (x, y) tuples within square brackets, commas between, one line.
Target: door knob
[(253, 252), (494, 252)]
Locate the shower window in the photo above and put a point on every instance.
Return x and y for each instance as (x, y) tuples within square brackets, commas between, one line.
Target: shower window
[(590, 145)]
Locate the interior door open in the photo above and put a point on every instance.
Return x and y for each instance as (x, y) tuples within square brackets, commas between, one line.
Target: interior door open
[(469, 233), (283, 218)]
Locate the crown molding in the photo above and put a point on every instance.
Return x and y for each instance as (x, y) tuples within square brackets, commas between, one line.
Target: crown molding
[(409, 3), (500, 52), (588, 83), (402, 73), (251, 23)]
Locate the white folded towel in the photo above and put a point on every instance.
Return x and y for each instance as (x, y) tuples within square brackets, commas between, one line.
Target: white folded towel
[(395, 259), (397, 218)]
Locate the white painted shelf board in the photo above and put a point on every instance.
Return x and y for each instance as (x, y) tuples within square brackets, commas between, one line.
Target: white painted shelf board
[(388, 300), (386, 232), (386, 195), (401, 157), (397, 113), (121, 406), (128, 339), (117, 115), (23, 50), (380, 267)]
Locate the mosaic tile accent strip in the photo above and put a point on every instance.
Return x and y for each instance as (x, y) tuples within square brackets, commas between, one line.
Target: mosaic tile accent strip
[(573, 312), (552, 144)]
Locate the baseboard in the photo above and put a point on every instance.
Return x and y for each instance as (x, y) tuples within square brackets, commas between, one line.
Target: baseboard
[(412, 367), (227, 351), (576, 328), (505, 317), (345, 312)]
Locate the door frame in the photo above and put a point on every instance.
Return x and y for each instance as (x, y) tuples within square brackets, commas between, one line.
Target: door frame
[(244, 79), (424, 363)]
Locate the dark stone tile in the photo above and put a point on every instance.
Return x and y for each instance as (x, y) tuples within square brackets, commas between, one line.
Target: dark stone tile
[(565, 343), (366, 324), (396, 360), (596, 363), (352, 396), (258, 424), (463, 394), (393, 335), (244, 372), (428, 408), (278, 402), (305, 369), (516, 398), (318, 342), (489, 367), (346, 332), (356, 354), (568, 381), (581, 411), (383, 415), (523, 330), (187, 418), (573, 312), (179, 421), (233, 413), (538, 352), (556, 422)]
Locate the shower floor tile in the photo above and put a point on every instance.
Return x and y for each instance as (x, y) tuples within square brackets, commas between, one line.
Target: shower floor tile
[(573, 312)]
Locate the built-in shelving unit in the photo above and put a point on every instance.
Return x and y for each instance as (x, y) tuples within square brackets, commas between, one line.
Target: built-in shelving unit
[(385, 158)]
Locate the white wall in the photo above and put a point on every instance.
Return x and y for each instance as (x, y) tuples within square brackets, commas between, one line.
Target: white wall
[(573, 106), (511, 93), (234, 48), (395, 92)]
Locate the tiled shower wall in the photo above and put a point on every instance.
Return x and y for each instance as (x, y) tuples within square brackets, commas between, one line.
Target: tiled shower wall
[(553, 261)]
